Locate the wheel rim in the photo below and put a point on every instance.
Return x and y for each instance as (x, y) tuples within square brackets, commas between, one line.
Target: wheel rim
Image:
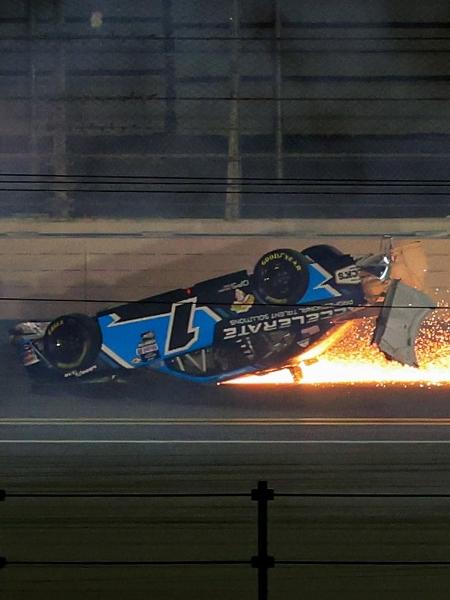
[(68, 345), (279, 281)]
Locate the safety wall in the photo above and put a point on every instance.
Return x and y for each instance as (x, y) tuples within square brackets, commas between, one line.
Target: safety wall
[(46, 274)]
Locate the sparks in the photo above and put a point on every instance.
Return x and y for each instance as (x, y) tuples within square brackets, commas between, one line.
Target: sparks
[(352, 359)]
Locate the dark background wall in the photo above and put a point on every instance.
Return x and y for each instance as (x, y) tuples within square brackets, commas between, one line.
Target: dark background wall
[(236, 88)]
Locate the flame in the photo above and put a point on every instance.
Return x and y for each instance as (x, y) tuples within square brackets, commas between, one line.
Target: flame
[(352, 359)]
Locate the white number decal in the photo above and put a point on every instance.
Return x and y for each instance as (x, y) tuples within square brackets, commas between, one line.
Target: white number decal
[(181, 333)]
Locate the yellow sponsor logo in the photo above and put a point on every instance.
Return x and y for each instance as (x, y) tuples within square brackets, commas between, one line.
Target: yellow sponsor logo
[(243, 302)]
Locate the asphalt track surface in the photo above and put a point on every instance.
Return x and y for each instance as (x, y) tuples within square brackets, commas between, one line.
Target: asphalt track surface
[(160, 436)]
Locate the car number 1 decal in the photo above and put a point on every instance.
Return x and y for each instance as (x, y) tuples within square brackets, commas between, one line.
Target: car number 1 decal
[(181, 333), (186, 327)]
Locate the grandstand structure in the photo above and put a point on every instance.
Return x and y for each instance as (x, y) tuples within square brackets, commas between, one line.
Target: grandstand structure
[(231, 109)]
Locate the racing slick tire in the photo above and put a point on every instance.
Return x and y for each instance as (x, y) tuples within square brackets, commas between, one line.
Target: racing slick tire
[(281, 276), (72, 342)]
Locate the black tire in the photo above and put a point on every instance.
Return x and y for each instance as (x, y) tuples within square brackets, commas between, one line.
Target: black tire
[(72, 342), (281, 276)]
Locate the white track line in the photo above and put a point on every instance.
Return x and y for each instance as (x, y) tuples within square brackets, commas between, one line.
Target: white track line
[(252, 422)]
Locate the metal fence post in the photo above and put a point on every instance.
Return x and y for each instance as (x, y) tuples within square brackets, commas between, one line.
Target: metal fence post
[(232, 195), (262, 561)]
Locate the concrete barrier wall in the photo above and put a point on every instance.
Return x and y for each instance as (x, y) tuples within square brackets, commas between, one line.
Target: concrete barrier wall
[(75, 269)]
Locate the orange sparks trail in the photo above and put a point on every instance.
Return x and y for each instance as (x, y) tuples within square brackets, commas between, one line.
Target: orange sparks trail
[(354, 360)]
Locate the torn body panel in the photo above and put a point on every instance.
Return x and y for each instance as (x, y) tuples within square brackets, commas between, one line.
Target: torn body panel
[(397, 326)]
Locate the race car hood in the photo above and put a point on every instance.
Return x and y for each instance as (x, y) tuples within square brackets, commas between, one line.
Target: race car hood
[(403, 311)]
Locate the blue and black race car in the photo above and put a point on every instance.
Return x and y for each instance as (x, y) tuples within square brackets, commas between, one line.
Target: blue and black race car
[(232, 325)]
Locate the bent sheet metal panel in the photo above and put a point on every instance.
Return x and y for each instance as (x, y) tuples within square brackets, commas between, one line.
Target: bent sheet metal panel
[(397, 327)]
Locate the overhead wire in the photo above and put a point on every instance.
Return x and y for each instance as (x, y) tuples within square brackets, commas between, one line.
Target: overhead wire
[(154, 98), (157, 184), (202, 301), (234, 192), (218, 38), (225, 179)]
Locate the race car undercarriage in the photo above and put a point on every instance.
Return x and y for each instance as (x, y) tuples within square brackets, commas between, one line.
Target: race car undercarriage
[(263, 328)]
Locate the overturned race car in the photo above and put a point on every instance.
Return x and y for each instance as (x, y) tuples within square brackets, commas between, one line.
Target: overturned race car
[(237, 324)]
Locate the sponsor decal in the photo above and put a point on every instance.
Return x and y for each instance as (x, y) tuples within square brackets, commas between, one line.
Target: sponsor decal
[(278, 323), (285, 312), (147, 348), (235, 285), (252, 319), (243, 302), (348, 275), (80, 372)]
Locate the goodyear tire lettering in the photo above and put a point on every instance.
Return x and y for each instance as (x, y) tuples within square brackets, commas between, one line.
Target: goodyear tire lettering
[(281, 276)]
